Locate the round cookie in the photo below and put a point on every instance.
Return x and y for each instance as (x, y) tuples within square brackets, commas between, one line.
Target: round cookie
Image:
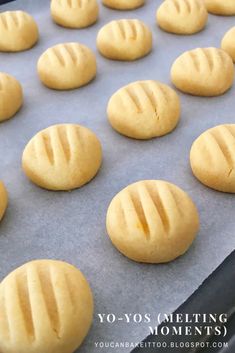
[(11, 96), (228, 43), (18, 31), (144, 109), (125, 40), (3, 200), (203, 72), (152, 221), (123, 4), (67, 66), (221, 7), (212, 158), (74, 14), (182, 16), (45, 306), (62, 157)]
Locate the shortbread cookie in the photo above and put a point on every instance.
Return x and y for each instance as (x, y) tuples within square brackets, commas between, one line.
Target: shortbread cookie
[(18, 31), (62, 157), (182, 16), (11, 96), (125, 40), (212, 158), (221, 7), (228, 43), (203, 72), (123, 4), (144, 109), (74, 13), (45, 306), (152, 221), (3, 199), (67, 66)]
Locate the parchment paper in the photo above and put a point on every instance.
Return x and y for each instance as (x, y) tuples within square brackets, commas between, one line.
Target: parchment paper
[(70, 226)]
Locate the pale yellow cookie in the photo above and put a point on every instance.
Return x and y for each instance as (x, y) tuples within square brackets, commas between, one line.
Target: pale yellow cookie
[(152, 221), (203, 72), (62, 157), (74, 13), (182, 16), (18, 31), (46, 306), (11, 96), (3, 200), (228, 43), (144, 109), (212, 158), (123, 4), (125, 40), (221, 7), (67, 66)]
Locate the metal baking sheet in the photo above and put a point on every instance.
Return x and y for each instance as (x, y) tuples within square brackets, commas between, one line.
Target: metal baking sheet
[(71, 225)]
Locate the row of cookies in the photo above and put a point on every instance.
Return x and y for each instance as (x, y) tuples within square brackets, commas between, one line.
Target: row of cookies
[(177, 16), (118, 40), (203, 71), (20, 31), (67, 156), (217, 7)]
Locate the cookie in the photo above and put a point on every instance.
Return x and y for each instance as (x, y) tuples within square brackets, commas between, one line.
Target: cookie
[(18, 31), (182, 16), (212, 158), (74, 13), (152, 221), (144, 109), (62, 157), (45, 306), (221, 7), (11, 96), (123, 4), (228, 43), (3, 200), (125, 40), (67, 66), (203, 72)]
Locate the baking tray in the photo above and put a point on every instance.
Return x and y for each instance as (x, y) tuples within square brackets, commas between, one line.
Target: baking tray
[(216, 295), (71, 225)]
